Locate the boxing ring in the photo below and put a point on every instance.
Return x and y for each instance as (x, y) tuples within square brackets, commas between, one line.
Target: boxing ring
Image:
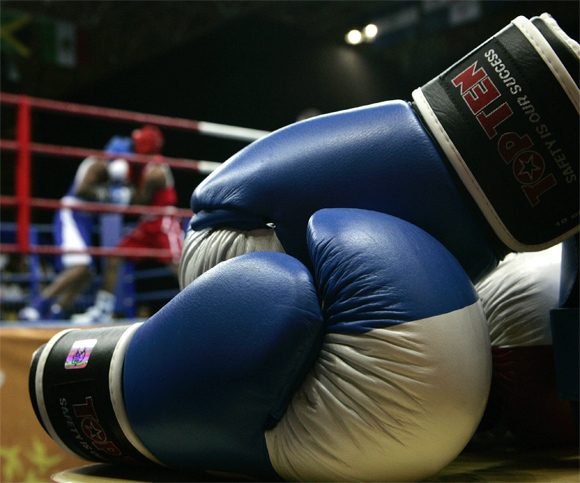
[(22, 236)]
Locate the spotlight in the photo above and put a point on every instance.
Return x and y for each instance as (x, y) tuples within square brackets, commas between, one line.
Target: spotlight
[(354, 37), (370, 32)]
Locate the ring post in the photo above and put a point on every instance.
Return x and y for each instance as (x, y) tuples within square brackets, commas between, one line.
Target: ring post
[(22, 181)]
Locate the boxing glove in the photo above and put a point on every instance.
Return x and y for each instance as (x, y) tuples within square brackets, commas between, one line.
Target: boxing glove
[(485, 159), (120, 194), (517, 298), (118, 171), (376, 368)]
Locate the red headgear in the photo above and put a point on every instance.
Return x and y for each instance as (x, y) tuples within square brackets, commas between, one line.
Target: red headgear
[(147, 140)]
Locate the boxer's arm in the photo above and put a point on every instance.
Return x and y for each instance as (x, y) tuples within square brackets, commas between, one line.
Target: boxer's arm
[(96, 176), (154, 181)]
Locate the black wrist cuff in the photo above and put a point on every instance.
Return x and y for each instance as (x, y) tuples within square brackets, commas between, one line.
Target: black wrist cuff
[(76, 391), (506, 116)]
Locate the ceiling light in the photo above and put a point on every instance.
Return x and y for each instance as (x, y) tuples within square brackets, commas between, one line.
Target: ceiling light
[(370, 32), (354, 37)]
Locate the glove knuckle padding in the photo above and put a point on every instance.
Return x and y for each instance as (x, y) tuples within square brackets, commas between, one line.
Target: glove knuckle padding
[(403, 375)]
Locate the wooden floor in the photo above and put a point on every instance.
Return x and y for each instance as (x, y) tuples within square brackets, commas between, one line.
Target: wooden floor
[(510, 464), (497, 464)]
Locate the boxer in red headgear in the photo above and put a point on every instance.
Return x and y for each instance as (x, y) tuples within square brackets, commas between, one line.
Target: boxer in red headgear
[(156, 187), (147, 140)]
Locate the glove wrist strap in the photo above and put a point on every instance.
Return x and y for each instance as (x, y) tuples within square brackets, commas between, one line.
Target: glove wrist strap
[(506, 116), (76, 391)]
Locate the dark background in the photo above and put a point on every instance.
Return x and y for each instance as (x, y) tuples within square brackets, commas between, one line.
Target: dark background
[(250, 64)]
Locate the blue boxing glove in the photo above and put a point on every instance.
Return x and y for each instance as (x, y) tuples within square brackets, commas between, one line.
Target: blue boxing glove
[(377, 368), (485, 159), (120, 195), (119, 171)]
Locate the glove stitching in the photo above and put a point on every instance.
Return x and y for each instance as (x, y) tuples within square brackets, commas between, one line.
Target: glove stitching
[(546, 57)]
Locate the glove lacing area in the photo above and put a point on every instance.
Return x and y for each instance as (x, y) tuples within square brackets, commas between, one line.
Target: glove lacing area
[(206, 248)]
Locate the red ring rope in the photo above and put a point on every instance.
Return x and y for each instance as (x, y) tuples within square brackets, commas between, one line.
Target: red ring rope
[(209, 128)]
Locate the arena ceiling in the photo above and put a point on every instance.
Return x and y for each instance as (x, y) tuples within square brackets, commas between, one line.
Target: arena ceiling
[(170, 22), (123, 33)]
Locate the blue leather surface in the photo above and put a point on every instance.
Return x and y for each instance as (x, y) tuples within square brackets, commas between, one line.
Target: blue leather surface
[(376, 157), (203, 375), (374, 270)]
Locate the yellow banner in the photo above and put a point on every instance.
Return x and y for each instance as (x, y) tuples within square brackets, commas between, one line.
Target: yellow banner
[(27, 453)]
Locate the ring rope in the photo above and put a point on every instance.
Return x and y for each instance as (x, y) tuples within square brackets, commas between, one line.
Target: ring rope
[(204, 167), (209, 128), (93, 206), (97, 251)]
